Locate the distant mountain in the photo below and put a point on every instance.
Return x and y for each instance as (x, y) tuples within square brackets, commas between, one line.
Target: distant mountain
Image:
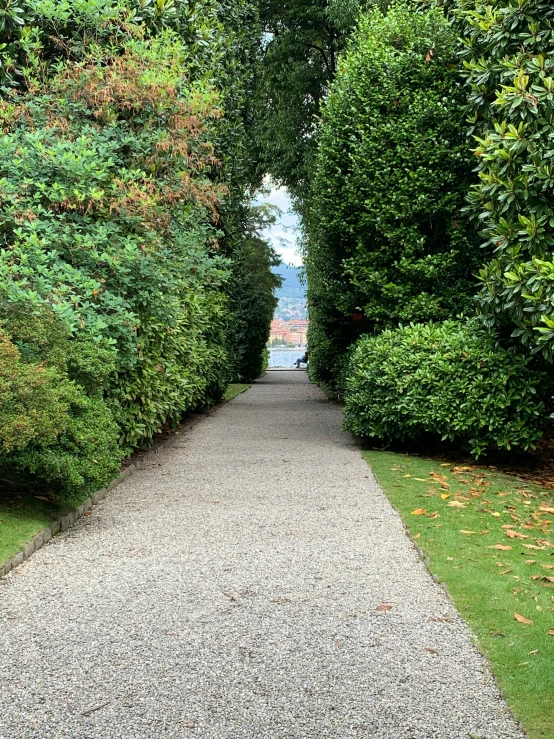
[(292, 294), (292, 287)]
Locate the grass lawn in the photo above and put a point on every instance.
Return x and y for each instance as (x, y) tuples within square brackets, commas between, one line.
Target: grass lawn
[(233, 391), (21, 519), (490, 538)]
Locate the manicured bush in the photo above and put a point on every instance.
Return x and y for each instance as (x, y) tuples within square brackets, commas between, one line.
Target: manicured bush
[(509, 62), (451, 381), (385, 234)]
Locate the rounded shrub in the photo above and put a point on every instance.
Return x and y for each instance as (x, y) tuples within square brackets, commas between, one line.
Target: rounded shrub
[(451, 380)]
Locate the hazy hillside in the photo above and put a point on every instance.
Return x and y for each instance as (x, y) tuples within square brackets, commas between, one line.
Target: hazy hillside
[(292, 294)]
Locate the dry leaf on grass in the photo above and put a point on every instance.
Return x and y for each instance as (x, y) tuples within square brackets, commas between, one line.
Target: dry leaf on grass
[(467, 533), (522, 619), (515, 535), (456, 504), (419, 512), (551, 632), (546, 509), (503, 547)]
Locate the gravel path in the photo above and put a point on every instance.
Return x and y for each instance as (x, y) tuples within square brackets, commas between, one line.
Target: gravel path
[(231, 589)]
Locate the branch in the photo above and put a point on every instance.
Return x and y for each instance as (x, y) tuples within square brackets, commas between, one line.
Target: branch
[(322, 52)]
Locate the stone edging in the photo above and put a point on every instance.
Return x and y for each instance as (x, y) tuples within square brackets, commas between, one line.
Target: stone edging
[(65, 522)]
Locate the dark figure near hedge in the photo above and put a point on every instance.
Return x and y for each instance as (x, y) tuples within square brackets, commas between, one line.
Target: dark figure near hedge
[(302, 360)]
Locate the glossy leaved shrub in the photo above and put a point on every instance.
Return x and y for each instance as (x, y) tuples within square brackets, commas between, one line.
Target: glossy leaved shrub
[(509, 66), (450, 381)]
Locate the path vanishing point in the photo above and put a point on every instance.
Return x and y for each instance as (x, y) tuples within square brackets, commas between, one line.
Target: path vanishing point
[(231, 591)]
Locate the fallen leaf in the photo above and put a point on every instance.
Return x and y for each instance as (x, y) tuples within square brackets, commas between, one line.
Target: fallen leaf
[(500, 546), (419, 512), (431, 650), (515, 535), (420, 479), (456, 504), (435, 514), (445, 485), (530, 561), (551, 632), (505, 572), (532, 546), (416, 536), (407, 475), (444, 496), (485, 531), (383, 607), (468, 533), (445, 464), (547, 567), (522, 619), (546, 509)]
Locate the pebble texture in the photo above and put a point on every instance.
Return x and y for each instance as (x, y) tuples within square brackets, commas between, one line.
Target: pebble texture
[(230, 591)]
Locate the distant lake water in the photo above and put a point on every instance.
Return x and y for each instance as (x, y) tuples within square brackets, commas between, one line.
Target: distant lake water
[(279, 358)]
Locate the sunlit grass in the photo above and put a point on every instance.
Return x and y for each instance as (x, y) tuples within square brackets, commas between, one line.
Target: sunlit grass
[(21, 519), (490, 538)]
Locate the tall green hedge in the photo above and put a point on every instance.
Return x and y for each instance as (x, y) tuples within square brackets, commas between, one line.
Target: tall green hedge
[(508, 49), (386, 236), (125, 136)]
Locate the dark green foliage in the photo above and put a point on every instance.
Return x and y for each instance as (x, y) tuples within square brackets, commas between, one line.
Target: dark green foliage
[(252, 294), (385, 233), (508, 50), (450, 380), (303, 40)]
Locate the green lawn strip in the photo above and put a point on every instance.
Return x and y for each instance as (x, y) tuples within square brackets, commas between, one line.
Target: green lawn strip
[(234, 390), (23, 518), (488, 585)]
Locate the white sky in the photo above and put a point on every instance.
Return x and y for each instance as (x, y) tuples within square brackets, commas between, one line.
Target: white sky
[(285, 232)]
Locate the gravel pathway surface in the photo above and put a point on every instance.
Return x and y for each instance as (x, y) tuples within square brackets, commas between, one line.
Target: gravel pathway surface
[(232, 589)]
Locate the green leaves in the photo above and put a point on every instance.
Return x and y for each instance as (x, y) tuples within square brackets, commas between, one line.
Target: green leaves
[(509, 69), (386, 236), (450, 381)]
